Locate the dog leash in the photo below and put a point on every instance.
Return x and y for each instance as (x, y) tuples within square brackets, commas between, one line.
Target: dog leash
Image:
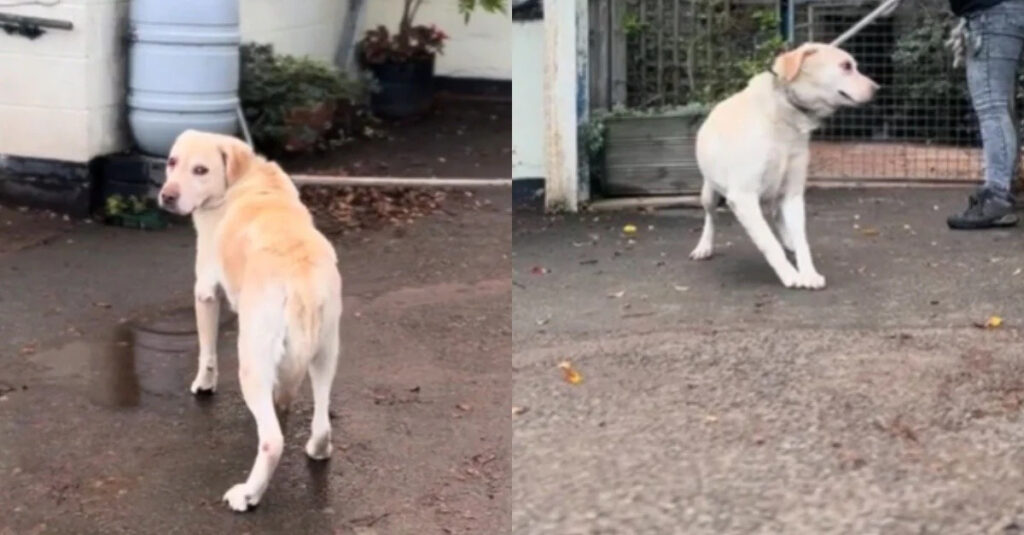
[(958, 36), (884, 9)]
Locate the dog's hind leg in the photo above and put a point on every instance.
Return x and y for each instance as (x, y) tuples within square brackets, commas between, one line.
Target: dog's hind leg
[(260, 348), (710, 200), (778, 222), (321, 376)]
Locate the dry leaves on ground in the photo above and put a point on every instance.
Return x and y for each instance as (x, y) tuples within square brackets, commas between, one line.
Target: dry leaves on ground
[(344, 209)]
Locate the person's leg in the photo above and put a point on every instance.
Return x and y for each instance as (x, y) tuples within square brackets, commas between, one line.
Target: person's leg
[(996, 38)]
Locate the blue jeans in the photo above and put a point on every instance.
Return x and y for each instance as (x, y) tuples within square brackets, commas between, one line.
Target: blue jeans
[(994, 44)]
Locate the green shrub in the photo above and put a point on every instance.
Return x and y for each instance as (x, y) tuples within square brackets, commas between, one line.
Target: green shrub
[(295, 105)]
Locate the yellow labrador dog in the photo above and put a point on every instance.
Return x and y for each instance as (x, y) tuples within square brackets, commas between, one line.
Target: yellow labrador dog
[(257, 242), (754, 148)]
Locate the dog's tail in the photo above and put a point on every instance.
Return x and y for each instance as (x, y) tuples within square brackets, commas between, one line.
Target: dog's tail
[(303, 314)]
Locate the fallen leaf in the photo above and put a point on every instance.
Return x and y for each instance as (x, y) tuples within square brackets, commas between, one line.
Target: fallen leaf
[(993, 322), (869, 231), (570, 374), (617, 295), (629, 229)]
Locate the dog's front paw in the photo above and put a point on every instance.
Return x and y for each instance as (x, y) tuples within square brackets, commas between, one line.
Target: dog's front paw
[(205, 381), (703, 251), (808, 281), (239, 499), (319, 448)]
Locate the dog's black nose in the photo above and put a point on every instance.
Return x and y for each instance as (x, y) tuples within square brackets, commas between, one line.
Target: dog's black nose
[(168, 199)]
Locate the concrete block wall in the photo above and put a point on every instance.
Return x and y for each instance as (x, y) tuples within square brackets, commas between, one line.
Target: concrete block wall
[(61, 95)]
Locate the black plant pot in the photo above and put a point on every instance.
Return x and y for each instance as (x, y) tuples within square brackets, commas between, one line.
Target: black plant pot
[(405, 89)]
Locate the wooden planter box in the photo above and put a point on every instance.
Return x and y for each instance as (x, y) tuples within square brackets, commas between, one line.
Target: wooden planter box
[(651, 155)]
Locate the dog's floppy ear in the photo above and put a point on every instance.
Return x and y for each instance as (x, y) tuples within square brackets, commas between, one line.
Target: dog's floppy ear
[(237, 156), (787, 65)]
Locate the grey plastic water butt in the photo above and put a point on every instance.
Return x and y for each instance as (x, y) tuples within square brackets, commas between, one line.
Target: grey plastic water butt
[(182, 70)]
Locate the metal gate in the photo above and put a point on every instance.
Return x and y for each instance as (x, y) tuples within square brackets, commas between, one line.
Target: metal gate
[(673, 53)]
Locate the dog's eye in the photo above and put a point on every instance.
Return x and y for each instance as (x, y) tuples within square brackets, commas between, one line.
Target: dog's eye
[(171, 162), (846, 66), (200, 170)]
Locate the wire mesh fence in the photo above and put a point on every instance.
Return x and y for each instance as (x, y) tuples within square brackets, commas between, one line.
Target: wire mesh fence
[(920, 127)]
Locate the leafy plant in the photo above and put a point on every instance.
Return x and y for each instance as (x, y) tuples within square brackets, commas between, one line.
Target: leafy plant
[(927, 83), (466, 7), (292, 104), (719, 46), (133, 211), (117, 205), (415, 42)]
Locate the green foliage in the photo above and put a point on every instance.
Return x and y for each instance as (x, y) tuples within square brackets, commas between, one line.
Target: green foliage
[(631, 24), (466, 7), (591, 138), (118, 205), (931, 99), (739, 48), (291, 103), (715, 52), (133, 212)]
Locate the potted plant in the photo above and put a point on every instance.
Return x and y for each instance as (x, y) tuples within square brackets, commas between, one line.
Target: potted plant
[(292, 103), (403, 62), (646, 152)]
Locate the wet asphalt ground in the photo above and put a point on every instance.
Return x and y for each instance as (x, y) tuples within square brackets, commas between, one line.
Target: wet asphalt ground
[(99, 434)]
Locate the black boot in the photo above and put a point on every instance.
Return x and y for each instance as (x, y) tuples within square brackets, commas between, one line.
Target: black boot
[(984, 210)]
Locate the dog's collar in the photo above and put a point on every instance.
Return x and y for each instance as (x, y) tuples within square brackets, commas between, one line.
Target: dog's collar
[(791, 98)]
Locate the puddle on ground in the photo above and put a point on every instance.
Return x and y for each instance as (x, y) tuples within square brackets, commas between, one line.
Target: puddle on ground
[(149, 356)]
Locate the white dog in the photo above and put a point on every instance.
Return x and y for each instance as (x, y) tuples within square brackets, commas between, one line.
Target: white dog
[(754, 148), (256, 241)]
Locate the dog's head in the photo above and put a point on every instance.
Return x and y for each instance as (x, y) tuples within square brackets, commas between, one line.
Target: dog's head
[(823, 78), (200, 169)]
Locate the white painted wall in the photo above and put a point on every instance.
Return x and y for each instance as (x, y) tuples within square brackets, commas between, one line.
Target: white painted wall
[(479, 49), (61, 95), (300, 28), (528, 99)]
